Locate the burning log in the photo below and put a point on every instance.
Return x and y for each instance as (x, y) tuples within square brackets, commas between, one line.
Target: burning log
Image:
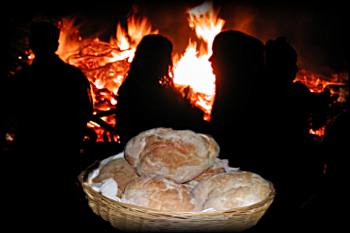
[(332, 91), (103, 124), (97, 123), (104, 113)]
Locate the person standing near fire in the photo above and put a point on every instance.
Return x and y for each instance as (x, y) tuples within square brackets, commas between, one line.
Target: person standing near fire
[(237, 114), (255, 105), (147, 98), (299, 169), (54, 104), (293, 110)]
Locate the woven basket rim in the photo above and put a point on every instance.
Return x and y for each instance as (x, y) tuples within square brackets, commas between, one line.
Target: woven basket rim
[(89, 190)]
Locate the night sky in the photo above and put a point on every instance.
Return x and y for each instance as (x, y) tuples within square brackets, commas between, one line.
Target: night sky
[(319, 31)]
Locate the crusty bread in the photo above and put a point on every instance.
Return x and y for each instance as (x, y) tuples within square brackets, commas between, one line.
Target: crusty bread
[(217, 168), (156, 192), (118, 169), (179, 155), (231, 190)]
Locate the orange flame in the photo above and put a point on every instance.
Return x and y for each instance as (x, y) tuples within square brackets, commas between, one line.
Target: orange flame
[(104, 64), (193, 69), (318, 83), (319, 132), (315, 82)]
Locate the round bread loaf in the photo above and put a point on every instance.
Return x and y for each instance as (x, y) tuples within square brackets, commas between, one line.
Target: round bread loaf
[(118, 169), (179, 155), (217, 168), (231, 190), (156, 192)]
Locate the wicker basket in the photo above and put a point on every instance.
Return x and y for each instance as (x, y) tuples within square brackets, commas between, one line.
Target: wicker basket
[(129, 218)]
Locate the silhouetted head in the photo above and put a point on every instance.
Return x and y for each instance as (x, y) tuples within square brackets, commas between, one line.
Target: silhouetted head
[(281, 58), (43, 38), (236, 54), (153, 57)]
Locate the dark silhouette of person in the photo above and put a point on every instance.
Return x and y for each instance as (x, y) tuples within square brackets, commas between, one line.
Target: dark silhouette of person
[(236, 122), (241, 112), (292, 103), (335, 147), (320, 110), (336, 142), (337, 132), (147, 98), (53, 107), (298, 170)]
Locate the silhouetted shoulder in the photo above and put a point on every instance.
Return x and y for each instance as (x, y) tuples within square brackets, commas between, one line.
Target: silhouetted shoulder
[(338, 133), (300, 88), (80, 76)]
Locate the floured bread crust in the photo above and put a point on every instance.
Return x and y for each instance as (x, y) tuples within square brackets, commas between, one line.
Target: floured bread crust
[(231, 190), (180, 155), (159, 193), (217, 168), (118, 169)]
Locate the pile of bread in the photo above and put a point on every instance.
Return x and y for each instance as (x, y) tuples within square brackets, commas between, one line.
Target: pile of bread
[(179, 170)]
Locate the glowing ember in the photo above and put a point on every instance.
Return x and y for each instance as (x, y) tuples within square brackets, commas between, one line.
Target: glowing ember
[(317, 82), (10, 137), (30, 57), (319, 132)]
